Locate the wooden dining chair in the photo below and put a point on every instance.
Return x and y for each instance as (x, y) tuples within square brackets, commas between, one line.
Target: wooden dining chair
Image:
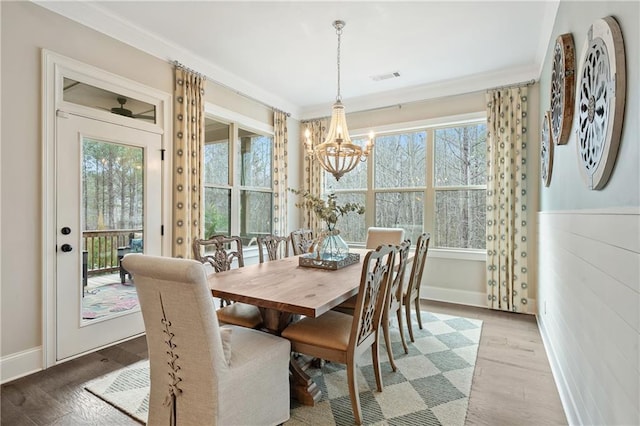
[(394, 302), (276, 247), (412, 292), (377, 236), (301, 241), (221, 252), (203, 373), (342, 338)]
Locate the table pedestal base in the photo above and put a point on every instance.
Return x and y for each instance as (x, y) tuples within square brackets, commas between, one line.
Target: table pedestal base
[(303, 388)]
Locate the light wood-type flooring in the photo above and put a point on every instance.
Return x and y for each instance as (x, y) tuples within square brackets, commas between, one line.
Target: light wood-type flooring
[(512, 383)]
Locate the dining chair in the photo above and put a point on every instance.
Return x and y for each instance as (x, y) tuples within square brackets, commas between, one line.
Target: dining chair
[(394, 302), (221, 252), (203, 373), (377, 236), (276, 247), (412, 292), (342, 338), (301, 241)]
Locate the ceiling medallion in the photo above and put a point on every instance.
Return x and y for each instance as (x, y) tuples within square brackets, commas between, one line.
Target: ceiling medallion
[(546, 149), (601, 86), (562, 88)]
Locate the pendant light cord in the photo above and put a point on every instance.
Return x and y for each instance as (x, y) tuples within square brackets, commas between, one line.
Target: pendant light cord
[(339, 33)]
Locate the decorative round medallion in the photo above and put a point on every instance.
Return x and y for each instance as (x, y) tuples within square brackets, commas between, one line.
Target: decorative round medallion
[(562, 88), (602, 86), (546, 149)]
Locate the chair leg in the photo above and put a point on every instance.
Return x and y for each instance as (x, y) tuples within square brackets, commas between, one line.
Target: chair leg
[(387, 341), (353, 392), (417, 304), (404, 342), (375, 353), (407, 311)]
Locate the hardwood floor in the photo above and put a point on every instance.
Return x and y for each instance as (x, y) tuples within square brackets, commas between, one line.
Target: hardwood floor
[(512, 383)]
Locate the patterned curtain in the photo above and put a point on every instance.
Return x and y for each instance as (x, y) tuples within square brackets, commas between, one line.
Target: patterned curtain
[(507, 278), (280, 166), (187, 160), (312, 170)]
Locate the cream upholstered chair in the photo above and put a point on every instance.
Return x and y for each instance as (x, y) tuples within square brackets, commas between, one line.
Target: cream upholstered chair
[(377, 236), (343, 338), (220, 252), (275, 246), (412, 292), (301, 241), (202, 373)]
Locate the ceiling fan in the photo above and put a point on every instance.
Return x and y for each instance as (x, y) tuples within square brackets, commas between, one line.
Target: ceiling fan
[(121, 110)]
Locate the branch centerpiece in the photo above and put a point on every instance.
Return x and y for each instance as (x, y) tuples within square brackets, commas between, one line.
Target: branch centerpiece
[(329, 243)]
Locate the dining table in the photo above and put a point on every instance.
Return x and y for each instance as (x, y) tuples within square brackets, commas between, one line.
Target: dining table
[(283, 290)]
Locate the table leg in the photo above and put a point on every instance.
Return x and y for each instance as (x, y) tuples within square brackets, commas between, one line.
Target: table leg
[(302, 387)]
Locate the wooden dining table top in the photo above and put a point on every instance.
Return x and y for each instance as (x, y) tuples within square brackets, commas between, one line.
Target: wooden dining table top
[(285, 286)]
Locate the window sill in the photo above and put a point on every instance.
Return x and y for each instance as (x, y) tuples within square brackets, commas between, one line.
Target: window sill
[(475, 255), (459, 254)]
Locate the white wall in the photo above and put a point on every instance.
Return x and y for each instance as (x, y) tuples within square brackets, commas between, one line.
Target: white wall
[(589, 269)]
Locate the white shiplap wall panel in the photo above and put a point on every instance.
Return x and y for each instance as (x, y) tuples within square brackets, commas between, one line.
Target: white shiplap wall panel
[(589, 293)]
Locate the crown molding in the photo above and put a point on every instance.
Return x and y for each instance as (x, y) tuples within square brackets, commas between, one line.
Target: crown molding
[(475, 83), (95, 17), (92, 15)]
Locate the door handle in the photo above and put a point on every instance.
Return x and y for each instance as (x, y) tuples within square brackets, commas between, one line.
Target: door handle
[(66, 248)]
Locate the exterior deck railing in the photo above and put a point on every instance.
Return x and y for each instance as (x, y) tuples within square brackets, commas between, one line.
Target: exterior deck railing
[(102, 249)]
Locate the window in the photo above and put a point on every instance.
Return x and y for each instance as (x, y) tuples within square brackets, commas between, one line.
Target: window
[(431, 178), (237, 203)]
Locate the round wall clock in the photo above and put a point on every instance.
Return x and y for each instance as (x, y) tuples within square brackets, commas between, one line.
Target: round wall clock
[(601, 87), (546, 149), (562, 88)]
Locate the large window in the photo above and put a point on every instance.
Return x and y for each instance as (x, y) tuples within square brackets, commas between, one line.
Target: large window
[(238, 194), (431, 179)]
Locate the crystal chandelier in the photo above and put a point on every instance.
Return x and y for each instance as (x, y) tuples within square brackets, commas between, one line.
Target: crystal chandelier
[(337, 154)]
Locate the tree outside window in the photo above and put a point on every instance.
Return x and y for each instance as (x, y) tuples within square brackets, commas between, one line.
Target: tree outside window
[(426, 180)]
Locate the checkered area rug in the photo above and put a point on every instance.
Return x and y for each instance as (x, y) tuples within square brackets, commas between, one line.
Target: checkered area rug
[(431, 386)]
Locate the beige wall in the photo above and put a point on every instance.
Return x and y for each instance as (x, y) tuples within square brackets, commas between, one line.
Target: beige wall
[(25, 30), (445, 278)]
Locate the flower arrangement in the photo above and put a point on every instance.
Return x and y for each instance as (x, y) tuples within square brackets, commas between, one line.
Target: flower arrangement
[(328, 211)]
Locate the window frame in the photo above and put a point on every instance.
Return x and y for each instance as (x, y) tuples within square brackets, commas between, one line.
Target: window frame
[(236, 122), (430, 189)]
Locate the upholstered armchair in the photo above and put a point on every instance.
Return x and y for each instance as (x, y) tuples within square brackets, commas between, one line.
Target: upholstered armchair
[(202, 373)]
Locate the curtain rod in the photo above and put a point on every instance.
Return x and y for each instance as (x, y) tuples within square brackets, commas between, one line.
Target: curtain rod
[(237, 92), (508, 86), (400, 105), (179, 65)]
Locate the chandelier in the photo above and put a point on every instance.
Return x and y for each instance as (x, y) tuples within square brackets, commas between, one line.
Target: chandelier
[(337, 154)]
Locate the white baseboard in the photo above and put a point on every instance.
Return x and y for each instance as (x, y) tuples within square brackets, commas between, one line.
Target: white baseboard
[(20, 364), (568, 403), (463, 297)]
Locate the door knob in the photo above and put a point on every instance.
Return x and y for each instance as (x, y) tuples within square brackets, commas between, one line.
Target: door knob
[(66, 248)]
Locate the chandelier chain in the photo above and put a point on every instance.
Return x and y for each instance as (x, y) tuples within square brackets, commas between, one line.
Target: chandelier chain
[(339, 33)]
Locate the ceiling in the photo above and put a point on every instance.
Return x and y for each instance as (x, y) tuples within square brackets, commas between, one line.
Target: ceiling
[(283, 53)]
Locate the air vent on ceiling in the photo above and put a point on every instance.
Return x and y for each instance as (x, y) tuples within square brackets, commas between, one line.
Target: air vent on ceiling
[(387, 76)]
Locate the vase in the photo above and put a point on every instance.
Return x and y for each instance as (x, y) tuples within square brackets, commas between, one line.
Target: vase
[(331, 246)]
